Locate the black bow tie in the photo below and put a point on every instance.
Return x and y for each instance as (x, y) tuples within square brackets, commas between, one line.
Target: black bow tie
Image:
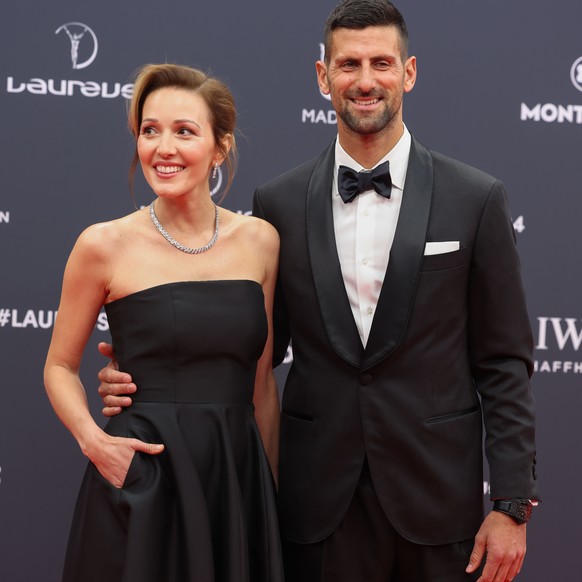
[(351, 183)]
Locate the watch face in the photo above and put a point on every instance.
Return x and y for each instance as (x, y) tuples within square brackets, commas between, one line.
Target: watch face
[(518, 509), (522, 509)]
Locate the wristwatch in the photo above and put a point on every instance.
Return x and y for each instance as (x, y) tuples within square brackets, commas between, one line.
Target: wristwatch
[(518, 509)]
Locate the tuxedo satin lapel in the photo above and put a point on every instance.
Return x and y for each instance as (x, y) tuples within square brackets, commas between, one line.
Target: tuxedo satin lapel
[(331, 293), (406, 256)]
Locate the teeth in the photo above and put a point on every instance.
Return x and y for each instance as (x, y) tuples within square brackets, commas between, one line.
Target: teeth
[(372, 102), (169, 169)]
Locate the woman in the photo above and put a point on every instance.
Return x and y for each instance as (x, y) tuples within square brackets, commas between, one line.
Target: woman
[(178, 487)]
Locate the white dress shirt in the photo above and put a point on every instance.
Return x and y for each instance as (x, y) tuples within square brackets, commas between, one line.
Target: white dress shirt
[(364, 232)]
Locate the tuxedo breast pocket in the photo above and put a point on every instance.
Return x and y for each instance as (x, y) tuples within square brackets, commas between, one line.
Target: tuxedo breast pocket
[(448, 259), (292, 414)]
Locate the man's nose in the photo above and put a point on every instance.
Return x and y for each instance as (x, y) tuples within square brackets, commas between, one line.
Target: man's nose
[(366, 79)]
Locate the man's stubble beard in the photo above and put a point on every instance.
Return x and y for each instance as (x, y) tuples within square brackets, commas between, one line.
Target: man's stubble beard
[(368, 125)]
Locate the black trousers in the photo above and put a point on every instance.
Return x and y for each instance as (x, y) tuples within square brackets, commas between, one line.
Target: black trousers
[(366, 548)]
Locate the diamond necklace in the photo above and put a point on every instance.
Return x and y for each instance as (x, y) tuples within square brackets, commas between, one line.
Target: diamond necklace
[(179, 246)]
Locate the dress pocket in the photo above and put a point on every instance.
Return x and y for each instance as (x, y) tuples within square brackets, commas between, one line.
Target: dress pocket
[(134, 470), (132, 476)]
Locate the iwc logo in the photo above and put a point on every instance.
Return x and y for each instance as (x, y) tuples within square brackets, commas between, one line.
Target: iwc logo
[(558, 337), (81, 55), (576, 73)]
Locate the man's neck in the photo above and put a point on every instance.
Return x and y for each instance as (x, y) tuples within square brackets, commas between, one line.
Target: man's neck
[(368, 150)]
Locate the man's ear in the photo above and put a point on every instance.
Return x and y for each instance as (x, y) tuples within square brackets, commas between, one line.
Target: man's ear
[(409, 74), (321, 70)]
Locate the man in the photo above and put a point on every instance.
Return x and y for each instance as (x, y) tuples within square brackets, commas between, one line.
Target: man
[(407, 316)]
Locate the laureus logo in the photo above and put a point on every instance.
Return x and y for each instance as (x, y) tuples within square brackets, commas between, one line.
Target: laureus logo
[(83, 51), (80, 33), (576, 73)]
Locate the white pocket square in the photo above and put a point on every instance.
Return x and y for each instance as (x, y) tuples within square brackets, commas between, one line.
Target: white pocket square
[(439, 248)]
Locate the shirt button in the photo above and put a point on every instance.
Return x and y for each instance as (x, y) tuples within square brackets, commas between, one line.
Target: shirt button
[(365, 379), (366, 213), (365, 260), (370, 310)]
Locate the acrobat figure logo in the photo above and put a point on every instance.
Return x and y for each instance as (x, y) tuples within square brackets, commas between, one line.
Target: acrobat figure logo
[(76, 31), (576, 74)]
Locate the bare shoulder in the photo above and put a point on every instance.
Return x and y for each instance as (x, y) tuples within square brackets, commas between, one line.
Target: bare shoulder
[(263, 232), (103, 239), (254, 230)]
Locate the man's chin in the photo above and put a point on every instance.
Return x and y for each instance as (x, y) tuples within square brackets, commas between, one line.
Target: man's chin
[(369, 126)]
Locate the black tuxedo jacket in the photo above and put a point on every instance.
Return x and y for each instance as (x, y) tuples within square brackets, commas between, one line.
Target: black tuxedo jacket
[(449, 350)]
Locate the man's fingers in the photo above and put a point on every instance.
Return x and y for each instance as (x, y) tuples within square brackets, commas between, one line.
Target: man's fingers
[(105, 349), (476, 556), (116, 401), (501, 567), (513, 570), (113, 389), (112, 375), (111, 410), (116, 389)]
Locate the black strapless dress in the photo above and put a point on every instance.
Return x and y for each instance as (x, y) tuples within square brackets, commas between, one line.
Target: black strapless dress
[(204, 510)]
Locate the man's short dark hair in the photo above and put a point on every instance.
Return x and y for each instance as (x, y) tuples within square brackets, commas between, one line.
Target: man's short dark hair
[(359, 14)]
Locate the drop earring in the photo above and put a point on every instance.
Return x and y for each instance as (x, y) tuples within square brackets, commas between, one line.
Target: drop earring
[(215, 170)]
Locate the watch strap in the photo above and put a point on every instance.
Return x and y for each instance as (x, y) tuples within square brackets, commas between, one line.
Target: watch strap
[(518, 509)]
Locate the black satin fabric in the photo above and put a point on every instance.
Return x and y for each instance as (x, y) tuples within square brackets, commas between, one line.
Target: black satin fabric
[(351, 183), (204, 510)]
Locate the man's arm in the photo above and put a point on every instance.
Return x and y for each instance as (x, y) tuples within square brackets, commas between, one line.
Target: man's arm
[(501, 353), (115, 385), (501, 347)]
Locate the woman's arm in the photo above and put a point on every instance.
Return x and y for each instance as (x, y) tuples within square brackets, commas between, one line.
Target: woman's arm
[(266, 395), (85, 289)]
